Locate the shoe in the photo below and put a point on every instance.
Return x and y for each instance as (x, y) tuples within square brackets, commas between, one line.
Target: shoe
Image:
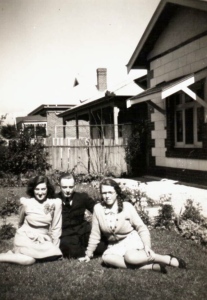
[(181, 262), (163, 270)]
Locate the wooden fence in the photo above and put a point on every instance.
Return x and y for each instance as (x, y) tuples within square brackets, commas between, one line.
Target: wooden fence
[(84, 155)]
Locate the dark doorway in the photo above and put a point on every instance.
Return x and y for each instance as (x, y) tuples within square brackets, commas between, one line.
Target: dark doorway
[(137, 152)]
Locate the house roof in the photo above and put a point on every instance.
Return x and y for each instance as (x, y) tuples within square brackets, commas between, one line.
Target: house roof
[(42, 109), (32, 119), (127, 88), (165, 10), (165, 89)]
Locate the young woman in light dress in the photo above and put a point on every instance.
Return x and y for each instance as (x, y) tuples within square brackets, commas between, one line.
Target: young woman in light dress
[(128, 237), (37, 238)]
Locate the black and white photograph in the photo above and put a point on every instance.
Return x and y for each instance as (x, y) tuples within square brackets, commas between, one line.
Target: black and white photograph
[(103, 149)]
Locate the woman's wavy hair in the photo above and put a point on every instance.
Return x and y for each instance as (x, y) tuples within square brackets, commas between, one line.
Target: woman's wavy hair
[(115, 185), (37, 180)]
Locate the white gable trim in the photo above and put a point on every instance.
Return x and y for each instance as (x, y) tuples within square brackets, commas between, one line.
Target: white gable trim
[(166, 92), (171, 89)]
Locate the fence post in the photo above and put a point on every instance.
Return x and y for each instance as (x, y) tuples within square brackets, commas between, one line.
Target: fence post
[(116, 134)]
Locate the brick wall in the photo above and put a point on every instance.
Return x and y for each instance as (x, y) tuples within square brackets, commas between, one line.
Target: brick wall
[(70, 129), (52, 121), (183, 61), (84, 130)]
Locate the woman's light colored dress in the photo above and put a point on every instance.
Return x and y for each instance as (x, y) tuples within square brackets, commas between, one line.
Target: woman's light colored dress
[(40, 228)]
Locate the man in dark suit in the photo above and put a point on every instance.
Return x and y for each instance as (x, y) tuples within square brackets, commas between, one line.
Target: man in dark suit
[(75, 229)]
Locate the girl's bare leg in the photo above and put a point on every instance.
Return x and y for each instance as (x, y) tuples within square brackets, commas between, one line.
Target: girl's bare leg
[(120, 262), (136, 257)]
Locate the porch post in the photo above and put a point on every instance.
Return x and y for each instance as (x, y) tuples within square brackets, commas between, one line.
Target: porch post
[(64, 129), (35, 131), (205, 95), (90, 128), (77, 129), (116, 134)]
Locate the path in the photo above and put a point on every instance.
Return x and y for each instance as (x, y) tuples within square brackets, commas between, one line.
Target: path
[(179, 193)]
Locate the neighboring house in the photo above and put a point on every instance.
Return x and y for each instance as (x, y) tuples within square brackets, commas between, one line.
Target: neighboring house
[(104, 114), (173, 49), (43, 120)]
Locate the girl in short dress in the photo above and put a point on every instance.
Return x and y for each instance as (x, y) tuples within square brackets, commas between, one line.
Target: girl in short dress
[(38, 235), (128, 237)]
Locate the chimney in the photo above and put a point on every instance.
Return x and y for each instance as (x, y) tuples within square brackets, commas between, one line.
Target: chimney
[(101, 79)]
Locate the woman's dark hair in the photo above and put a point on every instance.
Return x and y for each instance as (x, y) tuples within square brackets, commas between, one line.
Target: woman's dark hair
[(115, 185), (37, 180)]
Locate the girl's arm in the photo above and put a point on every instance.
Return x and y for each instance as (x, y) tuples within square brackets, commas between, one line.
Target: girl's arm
[(21, 211), (21, 216), (56, 225)]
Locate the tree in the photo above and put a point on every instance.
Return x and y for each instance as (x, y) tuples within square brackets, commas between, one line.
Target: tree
[(9, 131), (2, 118)]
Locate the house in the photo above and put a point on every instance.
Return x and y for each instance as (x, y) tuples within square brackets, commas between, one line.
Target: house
[(43, 120), (173, 49)]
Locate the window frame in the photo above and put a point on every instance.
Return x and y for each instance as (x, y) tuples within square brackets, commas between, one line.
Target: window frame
[(199, 88), (182, 107)]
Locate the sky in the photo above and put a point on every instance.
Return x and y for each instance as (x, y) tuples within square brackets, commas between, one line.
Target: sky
[(46, 44)]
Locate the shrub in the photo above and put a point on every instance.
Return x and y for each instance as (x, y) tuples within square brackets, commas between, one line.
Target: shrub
[(194, 231), (192, 212), (144, 215), (165, 217), (88, 178), (10, 205), (7, 231), (23, 154), (192, 225)]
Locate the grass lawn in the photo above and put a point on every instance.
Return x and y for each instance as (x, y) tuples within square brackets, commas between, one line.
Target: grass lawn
[(74, 280)]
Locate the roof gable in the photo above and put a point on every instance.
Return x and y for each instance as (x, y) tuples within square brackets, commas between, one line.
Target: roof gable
[(163, 15), (126, 88), (44, 108)]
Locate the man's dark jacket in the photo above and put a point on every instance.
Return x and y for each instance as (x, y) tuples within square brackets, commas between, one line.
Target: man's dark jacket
[(73, 222)]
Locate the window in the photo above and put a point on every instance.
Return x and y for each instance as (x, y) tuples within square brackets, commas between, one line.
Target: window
[(35, 130), (189, 118)]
